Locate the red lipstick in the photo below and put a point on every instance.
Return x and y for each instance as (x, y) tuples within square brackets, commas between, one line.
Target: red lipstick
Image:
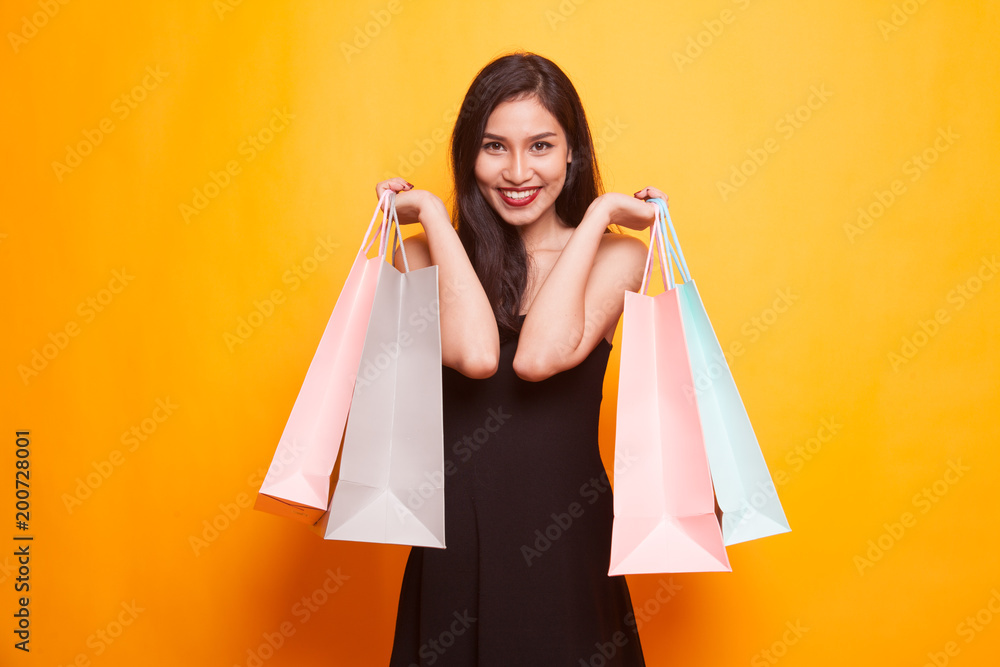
[(518, 202)]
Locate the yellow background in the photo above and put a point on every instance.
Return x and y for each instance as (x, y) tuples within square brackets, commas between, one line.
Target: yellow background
[(358, 107)]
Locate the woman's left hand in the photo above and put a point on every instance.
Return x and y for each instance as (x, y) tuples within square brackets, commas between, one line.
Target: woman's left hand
[(631, 212)]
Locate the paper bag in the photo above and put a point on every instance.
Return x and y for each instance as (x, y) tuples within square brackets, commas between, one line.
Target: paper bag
[(390, 487), (664, 508), (297, 484), (743, 486)]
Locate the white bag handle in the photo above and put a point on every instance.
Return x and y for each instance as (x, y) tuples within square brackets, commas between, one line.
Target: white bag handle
[(398, 235), (656, 239), (387, 205), (366, 244)]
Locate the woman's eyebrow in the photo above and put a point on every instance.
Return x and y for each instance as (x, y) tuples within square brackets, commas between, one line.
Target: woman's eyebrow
[(487, 135)]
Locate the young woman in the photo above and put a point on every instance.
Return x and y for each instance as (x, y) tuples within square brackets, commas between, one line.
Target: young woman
[(531, 290)]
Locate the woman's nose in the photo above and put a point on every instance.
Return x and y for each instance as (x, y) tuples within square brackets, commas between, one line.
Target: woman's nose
[(517, 170)]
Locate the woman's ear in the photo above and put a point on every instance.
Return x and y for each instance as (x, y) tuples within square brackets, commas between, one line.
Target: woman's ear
[(569, 155)]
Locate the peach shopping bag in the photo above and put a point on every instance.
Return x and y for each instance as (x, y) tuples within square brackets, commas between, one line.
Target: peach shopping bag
[(664, 504)]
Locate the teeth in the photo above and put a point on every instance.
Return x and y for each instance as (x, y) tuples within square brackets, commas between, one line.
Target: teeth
[(524, 194)]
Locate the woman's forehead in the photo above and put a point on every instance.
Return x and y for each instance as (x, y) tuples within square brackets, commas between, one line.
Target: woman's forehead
[(521, 118)]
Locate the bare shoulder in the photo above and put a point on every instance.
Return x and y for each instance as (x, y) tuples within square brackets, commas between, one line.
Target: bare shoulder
[(418, 252), (619, 242), (623, 255)]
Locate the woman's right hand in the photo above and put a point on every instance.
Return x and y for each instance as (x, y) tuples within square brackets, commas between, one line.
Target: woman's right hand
[(410, 203), (470, 342)]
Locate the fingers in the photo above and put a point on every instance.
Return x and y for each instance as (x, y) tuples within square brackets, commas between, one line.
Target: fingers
[(651, 193), (395, 184)]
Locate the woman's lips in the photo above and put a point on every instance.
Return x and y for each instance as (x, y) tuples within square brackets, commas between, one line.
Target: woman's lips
[(524, 201)]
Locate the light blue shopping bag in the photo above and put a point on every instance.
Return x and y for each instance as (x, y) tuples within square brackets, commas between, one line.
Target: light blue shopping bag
[(743, 486)]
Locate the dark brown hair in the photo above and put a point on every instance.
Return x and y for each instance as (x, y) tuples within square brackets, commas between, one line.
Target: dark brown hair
[(495, 248)]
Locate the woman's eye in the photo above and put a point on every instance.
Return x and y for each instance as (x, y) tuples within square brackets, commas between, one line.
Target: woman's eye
[(497, 146)]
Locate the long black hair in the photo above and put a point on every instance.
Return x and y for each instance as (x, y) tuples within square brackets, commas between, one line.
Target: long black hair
[(494, 247)]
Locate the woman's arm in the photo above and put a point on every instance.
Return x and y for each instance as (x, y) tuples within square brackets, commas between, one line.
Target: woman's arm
[(584, 293), (470, 341)]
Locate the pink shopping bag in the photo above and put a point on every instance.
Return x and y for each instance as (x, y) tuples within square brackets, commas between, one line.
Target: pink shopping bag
[(297, 484), (664, 503)]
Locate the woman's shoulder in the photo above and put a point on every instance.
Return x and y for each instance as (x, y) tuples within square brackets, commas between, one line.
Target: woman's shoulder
[(623, 255), (614, 236), (623, 246), (418, 254)]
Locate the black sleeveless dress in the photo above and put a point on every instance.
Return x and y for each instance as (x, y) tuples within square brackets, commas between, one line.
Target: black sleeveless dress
[(528, 510)]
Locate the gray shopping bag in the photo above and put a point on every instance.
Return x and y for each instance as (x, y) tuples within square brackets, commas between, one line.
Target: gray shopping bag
[(390, 486)]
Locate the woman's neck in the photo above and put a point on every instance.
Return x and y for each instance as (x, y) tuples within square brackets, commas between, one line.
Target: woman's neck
[(547, 233)]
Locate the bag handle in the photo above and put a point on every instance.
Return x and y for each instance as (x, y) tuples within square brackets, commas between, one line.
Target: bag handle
[(398, 235), (387, 206), (675, 246), (366, 244), (656, 240)]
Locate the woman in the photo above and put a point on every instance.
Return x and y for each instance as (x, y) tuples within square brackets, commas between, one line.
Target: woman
[(531, 290)]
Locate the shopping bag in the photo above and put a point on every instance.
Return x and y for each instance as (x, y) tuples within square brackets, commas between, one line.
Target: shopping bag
[(664, 508), (390, 486), (743, 486), (297, 484)]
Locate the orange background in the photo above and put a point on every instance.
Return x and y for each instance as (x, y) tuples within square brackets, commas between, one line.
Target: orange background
[(876, 373)]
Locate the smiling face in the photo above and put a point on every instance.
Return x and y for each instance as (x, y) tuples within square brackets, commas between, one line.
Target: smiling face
[(522, 160)]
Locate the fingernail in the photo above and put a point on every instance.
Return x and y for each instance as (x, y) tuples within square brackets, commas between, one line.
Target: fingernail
[(410, 184)]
